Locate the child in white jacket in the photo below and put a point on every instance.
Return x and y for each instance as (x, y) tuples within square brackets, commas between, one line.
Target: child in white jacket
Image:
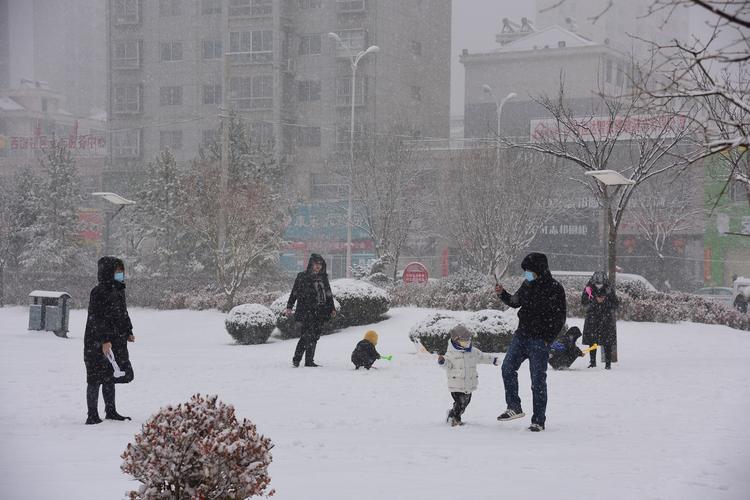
[(460, 362)]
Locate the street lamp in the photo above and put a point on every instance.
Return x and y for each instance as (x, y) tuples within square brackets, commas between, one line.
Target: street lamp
[(609, 178), (119, 202), (499, 110), (354, 59)]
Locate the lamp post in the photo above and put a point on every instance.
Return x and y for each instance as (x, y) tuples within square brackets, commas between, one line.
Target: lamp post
[(354, 59), (499, 110), (609, 178), (119, 202)]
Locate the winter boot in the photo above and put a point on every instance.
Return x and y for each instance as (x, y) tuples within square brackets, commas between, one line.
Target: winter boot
[(592, 357), (536, 427), (295, 363), (510, 414), (113, 415), (93, 419), (608, 366)]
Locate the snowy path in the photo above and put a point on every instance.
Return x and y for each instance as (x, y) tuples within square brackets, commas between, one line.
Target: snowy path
[(670, 421)]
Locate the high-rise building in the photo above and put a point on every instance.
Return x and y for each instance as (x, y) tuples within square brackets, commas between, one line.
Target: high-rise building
[(288, 80), (4, 44)]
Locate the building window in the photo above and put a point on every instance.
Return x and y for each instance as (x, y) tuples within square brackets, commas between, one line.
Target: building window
[(310, 4), (620, 74), (44, 104), (127, 98), (210, 137), (416, 93), (171, 51), (343, 134), (209, 7), (240, 7), (126, 54), (258, 43), (212, 49), (352, 39), (308, 90), (126, 143), (416, 48), (170, 139), (212, 94), (169, 8), (261, 132), (308, 136), (322, 187), (252, 92), (310, 45), (262, 8), (608, 71), (170, 96), (344, 91), (126, 12), (350, 5)]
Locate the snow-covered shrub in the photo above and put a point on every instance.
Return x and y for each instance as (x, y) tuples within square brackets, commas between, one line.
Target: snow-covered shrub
[(198, 449), (465, 281), (380, 280), (290, 329), (250, 323), (492, 329), (361, 302), (438, 294)]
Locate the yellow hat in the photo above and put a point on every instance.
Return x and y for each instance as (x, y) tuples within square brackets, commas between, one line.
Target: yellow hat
[(372, 336)]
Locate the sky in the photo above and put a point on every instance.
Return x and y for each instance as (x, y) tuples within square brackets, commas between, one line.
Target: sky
[(475, 23)]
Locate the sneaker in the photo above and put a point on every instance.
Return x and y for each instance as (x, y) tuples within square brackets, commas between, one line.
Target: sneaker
[(116, 416), (510, 414), (536, 427)]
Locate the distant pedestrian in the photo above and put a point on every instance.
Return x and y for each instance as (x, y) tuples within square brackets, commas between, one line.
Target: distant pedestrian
[(600, 327), (365, 354), (312, 294), (108, 331), (541, 315)]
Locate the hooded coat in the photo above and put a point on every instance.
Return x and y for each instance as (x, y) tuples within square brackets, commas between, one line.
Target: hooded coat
[(108, 321), (600, 326), (365, 354), (461, 367), (564, 351), (306, 293), (541, 303)]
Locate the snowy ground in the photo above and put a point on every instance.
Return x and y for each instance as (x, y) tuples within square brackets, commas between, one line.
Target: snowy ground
[(670, 421)]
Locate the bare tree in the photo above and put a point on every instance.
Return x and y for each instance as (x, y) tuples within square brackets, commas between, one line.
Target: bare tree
[(714, 73), (388, 185), (660, 214), (617, 133), (494, 209)]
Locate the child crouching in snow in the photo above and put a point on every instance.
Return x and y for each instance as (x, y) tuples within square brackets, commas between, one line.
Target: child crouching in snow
[(365, 354), (460, 362)]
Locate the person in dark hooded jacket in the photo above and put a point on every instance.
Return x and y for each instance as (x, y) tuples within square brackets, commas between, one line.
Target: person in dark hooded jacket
[(364, 353), (108, 329), (312, 294), (541, 305), (564, 351), (600, 327)]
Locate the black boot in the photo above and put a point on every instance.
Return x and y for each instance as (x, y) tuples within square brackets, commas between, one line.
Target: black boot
[(92, 402), (110, 413), (592, 357), (93, 419), (113, 415)]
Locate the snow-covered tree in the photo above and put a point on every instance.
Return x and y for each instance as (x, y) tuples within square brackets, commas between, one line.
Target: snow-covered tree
[(494, 208), (641, 138), (54, 237)]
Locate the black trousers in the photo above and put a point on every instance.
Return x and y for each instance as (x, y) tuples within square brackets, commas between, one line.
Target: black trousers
[(92, 398), (460, 401), (311, 329), (606, 349)]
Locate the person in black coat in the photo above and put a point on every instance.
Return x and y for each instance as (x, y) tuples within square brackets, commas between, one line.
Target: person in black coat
[(542, 309), (108, 329), (312, 294), (364, 353), (564, 351), (600, 327)]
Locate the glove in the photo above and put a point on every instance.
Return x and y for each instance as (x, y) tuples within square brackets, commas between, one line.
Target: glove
[(590, 292)]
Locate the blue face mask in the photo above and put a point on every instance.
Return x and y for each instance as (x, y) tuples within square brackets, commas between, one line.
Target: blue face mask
[(120, 276), (528, 275)]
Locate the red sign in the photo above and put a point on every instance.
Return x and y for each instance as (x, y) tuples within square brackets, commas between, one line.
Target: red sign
[(415, 272)]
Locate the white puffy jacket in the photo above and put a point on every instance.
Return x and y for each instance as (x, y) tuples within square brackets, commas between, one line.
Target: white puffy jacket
[(461, 367)]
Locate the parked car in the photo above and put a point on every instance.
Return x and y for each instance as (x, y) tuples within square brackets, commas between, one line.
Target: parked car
[(620, 277), (741, 293), (722, 294)]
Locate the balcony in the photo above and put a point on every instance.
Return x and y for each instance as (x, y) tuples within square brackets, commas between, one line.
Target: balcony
[(350, 6)]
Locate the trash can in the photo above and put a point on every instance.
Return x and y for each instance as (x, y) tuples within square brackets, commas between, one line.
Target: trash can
[(49, 311)]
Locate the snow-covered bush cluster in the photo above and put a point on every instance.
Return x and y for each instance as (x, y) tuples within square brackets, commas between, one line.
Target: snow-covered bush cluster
[(208, 298), (250, 323), (492, 329), (356, 302), (198, 449), (439, 294)]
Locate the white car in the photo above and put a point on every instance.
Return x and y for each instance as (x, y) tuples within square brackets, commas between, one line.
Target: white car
[(720, 294), (741, 293), (621, 277)]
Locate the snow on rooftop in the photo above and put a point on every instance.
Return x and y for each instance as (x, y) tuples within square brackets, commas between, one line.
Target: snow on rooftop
[(8, 104), (550, 37)]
